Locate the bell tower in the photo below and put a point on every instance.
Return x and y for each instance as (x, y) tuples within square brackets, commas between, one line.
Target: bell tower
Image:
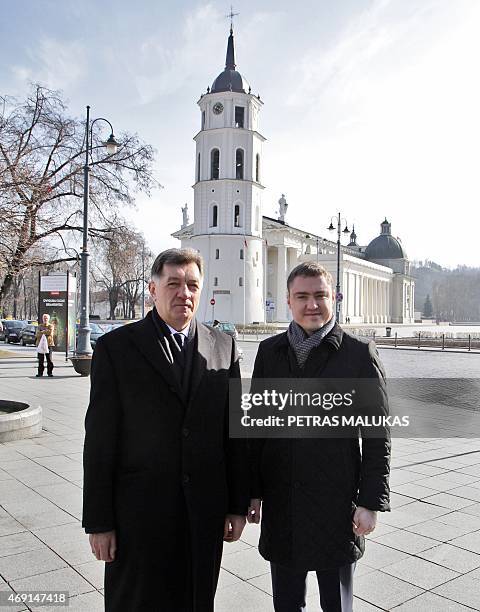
[(227, 228)]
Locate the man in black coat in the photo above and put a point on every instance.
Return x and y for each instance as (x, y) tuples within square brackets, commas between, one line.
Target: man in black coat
[(318, 496), (164, 485)]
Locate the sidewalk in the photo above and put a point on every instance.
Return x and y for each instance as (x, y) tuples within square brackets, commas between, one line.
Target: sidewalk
[(424, 555)]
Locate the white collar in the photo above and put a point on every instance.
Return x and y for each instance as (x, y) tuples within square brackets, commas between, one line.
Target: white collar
[(184, 331)]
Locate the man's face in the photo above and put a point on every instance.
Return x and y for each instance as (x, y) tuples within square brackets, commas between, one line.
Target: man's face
[(310, 299), (46, 319), (176, 293)]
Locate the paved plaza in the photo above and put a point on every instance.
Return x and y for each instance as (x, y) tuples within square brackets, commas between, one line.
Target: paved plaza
[(424, 555)]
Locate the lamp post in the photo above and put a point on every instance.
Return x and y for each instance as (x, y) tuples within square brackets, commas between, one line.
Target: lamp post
[(83, 343), (338, 226)]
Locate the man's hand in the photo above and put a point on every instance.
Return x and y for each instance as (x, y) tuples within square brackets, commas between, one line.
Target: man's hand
[(254, 511), (104, 545), (233, 528), (364, 521)]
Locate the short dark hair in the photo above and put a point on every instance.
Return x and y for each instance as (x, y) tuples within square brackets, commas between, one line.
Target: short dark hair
[(178, 257), (309, 268)]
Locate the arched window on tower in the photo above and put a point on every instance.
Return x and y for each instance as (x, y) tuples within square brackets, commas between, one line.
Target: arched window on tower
[(236, 216), (214, 217), (215, 164), (257, 168), (239, 164), (198, 168)]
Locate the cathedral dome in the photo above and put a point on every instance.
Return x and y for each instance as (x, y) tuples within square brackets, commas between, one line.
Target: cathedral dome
[(230, 79), (385, 246)]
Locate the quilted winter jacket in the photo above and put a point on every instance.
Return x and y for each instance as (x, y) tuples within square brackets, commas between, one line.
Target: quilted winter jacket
[(311, 486)]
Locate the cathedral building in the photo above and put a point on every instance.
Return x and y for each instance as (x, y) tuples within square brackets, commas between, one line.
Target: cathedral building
[(248, 255)]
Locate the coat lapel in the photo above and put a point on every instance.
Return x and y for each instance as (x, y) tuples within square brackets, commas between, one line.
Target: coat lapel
[(144, 335), (201, 357)]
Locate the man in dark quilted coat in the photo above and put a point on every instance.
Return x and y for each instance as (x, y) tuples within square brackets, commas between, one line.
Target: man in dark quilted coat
[(317, 497)]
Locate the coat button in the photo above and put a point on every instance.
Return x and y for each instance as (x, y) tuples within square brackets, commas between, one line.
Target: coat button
[(186, 479), (297, 484), (185, 432)]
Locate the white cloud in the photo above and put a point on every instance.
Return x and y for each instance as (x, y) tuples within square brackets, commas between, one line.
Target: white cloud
[(56, 64)]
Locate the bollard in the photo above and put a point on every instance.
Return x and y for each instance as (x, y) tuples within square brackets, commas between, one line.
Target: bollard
[(396, 339), (469, 342), (374, 335), (443, 342), (419, 336)]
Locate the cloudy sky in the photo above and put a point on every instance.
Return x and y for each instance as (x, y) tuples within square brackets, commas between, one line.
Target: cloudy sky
[(372, 107)]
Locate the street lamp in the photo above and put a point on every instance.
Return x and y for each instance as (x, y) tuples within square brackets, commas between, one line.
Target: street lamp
[(338, 226), (83, 343)]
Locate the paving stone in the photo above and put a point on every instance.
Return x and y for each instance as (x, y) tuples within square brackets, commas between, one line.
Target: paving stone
[(242, 597), (414, 513), (246, 564), (413, 490), (251, 534), (459, 519), (463, 590), (9, 525), (466, 492), (425, 469), (66, 496), (429, 602), (397, 500), (406, 541), (452, 557), (379, 556), (227, 579), (359, 605), (421, 573), (399, 477), (38, 513), (469, 541), (383, 590), (30, 563), (65, 579), (447, 500), (230, 548), (18, 543), (93, 572), (438, 531)]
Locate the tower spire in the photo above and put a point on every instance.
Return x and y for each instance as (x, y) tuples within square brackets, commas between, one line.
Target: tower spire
[(230, 61)]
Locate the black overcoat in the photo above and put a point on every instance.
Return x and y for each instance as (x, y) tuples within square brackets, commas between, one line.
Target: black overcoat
[(311, 486), (160, 469)]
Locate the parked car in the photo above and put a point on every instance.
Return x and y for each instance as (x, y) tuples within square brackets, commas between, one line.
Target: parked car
[(27, 335), (12, 330), (2, 332), (96, 331), (227, 328)]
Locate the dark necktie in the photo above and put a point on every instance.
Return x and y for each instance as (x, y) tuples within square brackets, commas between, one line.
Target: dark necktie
[(179, 355)]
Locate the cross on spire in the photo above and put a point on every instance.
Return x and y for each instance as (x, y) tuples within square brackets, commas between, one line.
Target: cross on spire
[(232, 15)]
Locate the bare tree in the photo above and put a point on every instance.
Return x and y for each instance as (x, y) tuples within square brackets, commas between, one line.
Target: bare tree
[(119, 266), (42, 152)]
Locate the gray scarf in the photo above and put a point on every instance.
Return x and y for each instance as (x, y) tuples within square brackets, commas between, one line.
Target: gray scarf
[(302, 344)]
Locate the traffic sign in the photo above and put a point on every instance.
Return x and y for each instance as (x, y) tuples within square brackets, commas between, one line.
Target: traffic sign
[(339, 297), (212, 302)]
